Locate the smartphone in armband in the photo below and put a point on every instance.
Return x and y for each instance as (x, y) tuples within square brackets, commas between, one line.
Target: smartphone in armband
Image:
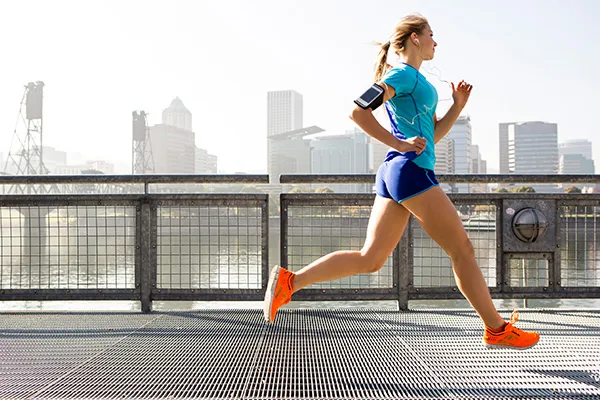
[(372, 98)]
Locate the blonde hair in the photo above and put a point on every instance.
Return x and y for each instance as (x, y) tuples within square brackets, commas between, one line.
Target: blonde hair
[(411, 23)]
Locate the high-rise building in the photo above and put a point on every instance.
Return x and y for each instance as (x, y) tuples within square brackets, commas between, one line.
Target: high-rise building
[(205, 163), (503, 146), (341, 154), (576, 164), (291, 152), (444, 156), (529, 148), (576, 157), (173, 142), (478, 166), (284, 114), (177, 115), (461, 136), (576, 146), (284, 111), (174, 149), (444, 160)]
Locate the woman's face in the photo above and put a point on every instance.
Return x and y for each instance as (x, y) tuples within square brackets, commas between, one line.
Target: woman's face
[(427, 44)]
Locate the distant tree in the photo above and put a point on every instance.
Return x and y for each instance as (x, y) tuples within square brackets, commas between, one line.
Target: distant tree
[(524, 189), (484, 208), (323, 190), (502, 190), (575, 209), (572, 189)]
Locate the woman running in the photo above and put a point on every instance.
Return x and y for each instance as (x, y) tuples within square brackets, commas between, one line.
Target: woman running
[(405, 185)]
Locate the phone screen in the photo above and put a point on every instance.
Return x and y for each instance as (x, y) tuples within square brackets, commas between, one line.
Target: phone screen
[(370, 94)]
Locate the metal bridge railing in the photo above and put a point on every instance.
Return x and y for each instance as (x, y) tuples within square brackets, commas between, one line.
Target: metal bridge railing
[(562, 262), (145, 247), (215, 246)]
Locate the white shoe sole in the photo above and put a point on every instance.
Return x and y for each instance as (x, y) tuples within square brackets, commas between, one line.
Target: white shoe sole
[(270, 293), (497, 346)]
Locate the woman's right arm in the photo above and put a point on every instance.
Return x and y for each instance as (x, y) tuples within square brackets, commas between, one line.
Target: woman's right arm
[(368, 123)]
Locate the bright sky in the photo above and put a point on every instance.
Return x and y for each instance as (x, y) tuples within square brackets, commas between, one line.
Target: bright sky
[(102, 59)]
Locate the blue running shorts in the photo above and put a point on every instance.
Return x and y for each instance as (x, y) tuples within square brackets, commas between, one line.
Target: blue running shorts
[(400, 179)]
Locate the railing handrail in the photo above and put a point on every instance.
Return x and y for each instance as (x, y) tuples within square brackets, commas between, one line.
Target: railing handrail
[(445, 178), (285, 178), (135, 178)]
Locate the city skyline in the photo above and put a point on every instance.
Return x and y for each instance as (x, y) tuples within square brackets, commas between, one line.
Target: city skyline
[(290, 116), (521, 68)]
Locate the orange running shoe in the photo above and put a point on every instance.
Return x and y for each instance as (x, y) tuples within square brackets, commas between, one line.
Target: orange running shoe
[(279, 291), (511, 337)]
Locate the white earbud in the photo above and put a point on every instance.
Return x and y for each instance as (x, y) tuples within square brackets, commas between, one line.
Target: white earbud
[(417, 42)]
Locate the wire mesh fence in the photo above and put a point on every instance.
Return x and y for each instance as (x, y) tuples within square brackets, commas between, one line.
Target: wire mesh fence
[(67, 247)]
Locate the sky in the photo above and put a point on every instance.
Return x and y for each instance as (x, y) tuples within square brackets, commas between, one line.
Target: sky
[(533, 60)]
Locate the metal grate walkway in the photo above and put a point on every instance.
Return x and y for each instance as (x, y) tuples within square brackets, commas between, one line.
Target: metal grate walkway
[(307, 354)]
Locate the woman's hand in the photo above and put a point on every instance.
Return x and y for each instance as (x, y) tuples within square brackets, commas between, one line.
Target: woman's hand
[(416, 144), (461, 93)]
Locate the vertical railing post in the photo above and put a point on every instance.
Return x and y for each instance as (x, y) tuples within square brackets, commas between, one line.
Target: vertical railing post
[(283, 242), (403, 265), (555, 276), (265, 241), (501, 272), (147, 245)]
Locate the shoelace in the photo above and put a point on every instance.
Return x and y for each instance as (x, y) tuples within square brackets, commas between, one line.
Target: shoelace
[(514, 317)]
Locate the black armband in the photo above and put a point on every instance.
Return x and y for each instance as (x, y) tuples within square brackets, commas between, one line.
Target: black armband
[(372, 98)]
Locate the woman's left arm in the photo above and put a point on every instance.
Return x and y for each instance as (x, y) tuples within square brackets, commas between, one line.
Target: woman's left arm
[(460, 94)]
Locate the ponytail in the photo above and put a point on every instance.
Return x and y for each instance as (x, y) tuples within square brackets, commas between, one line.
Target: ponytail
[(381, 65)]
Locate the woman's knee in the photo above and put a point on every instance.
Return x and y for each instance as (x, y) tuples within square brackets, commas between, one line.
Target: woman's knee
[(371, 261), (462, 251)]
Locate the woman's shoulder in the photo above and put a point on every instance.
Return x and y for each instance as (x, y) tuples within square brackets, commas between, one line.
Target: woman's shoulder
[(400, 70), (402, 67)]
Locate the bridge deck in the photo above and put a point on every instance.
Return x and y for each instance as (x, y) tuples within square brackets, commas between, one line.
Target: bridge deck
[(307, 354)]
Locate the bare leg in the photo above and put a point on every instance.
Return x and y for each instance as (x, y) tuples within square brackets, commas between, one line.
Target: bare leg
[(438, 216), (386, 224)]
